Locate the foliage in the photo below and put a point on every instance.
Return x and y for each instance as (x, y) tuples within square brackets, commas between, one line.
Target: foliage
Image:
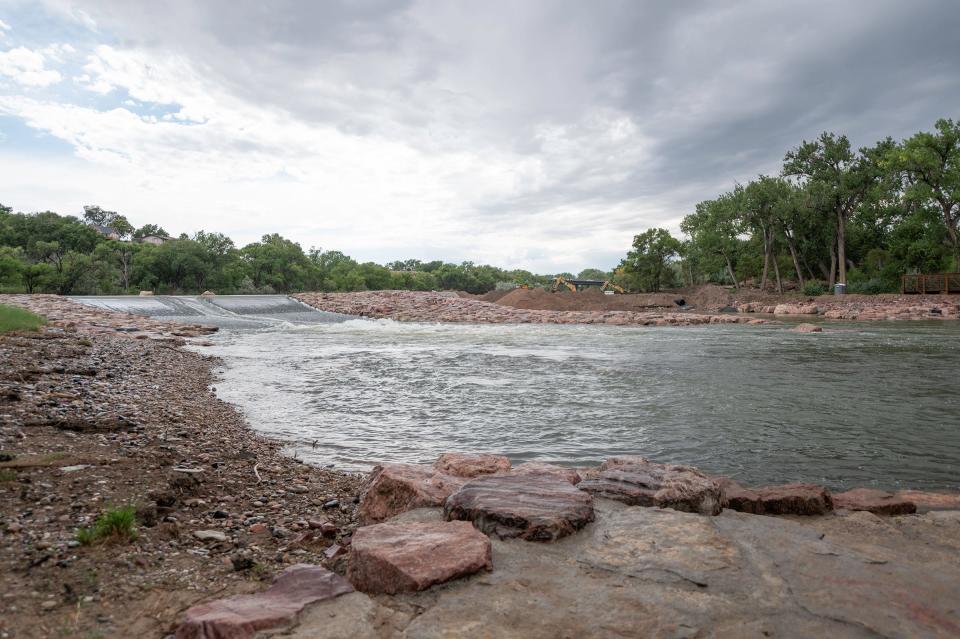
[(17, 319), (116, 524), (814, 287), (646, 266)]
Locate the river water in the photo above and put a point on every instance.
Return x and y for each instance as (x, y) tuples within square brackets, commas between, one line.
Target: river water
[(872, 404)]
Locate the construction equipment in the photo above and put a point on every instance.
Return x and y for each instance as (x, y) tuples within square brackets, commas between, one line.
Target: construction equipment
[(561, 281), (608, 285)]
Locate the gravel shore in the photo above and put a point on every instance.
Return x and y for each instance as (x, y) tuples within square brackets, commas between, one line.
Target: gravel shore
[(93, 419)]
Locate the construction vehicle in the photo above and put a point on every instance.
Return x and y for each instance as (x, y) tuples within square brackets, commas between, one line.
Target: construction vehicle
[(561, 281), (610, 286)]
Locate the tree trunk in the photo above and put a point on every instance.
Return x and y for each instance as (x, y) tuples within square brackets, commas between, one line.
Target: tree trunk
[(733, 277), (766, 259), (776, 271), (841, 248), (833, 265), (796, 262)]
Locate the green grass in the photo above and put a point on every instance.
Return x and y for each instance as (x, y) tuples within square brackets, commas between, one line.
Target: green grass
[(116, 524), (7, 475), (17, 319)]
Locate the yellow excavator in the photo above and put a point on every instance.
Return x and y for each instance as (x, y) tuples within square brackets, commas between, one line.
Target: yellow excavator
[(610, 286), (561, 281)]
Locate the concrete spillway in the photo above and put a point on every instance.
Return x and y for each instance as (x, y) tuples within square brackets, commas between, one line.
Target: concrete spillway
[(225, 311)]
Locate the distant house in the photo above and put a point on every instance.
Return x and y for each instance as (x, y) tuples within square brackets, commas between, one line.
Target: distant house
[(156, 240), (107, 231)]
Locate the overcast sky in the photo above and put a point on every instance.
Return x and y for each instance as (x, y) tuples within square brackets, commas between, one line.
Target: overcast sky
[(534, 134)]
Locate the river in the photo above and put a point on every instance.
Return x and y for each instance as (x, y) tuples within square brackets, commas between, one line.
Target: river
[(861, 404)]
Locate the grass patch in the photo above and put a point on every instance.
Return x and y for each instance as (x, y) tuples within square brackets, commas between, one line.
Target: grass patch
[(17, 319), (114, 525), (7, 475)]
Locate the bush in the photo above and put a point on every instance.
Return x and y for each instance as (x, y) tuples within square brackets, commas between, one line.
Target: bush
[(813, 288), (116, 524), (873, 286)]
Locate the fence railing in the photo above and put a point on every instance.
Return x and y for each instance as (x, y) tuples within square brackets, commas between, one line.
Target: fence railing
[(922, 283)]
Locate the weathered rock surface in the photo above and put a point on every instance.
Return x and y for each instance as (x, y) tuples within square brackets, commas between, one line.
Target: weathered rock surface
[(807, 328), (399, 557), (531, 507), (640, 572), (551, 470), (471, 465), (638, 482), (788, 499), (278, 606), (878, 502), (795, 309), (394, 488)]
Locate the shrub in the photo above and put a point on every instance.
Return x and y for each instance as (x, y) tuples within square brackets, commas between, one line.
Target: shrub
[(813, 288), (873, 286), (116, 524)]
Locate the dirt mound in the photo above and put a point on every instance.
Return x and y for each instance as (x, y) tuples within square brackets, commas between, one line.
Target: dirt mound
[(708, 296), (495, 295), (539, 299)]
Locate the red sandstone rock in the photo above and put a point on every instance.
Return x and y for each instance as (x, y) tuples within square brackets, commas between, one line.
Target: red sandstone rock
[(532, 507), (278, 606), (399, 557), (471, 465), (539, 468), (795, 309), (622, 460), (788, 499), (395, 488), (879, 502), (931, 501), (807, 328), (639, 482)]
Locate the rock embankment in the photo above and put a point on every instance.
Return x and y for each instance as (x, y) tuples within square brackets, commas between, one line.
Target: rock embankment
[(863, 307), (659, 548), (416, 306), (81, 318)]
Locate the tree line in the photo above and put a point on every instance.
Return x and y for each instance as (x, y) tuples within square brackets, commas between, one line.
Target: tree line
[(50, 253), (834, 215)]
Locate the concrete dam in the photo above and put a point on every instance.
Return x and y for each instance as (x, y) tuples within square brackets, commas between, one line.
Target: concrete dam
[(225, 311)]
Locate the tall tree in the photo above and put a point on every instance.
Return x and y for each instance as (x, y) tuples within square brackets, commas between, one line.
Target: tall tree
[(648, 262), (838, 177), (930, 163)]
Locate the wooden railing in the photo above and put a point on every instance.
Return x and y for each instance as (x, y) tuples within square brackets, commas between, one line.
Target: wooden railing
[(922, 284)]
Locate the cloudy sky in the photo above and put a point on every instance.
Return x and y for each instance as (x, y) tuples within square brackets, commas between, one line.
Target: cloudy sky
[(537, 134)]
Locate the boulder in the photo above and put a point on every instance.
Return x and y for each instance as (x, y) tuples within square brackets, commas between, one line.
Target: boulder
[(551, 470), (402, 557), (278, 606), (788, 499), (795, 309), (395, 488), (531, 507), (878, 502), (807, 328), (639, 482), (471, 465)]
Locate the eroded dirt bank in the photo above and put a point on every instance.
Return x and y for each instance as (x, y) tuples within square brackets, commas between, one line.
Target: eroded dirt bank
[(93, 419)]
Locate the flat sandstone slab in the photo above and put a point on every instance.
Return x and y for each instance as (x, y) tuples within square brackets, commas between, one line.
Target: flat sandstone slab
[(401, 557), (278, 606), (471, 465), (639, 482), (531, 507), (878, 502)]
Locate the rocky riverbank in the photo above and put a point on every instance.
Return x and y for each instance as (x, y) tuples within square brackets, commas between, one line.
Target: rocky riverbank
[(862, 307), (416, 306), (93, 419)]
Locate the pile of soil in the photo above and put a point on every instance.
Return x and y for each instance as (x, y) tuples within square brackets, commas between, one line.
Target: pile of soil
[(591, 299), (708, 296)]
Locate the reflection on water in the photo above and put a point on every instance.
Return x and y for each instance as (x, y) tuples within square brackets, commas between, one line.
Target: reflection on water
[(862, 404)]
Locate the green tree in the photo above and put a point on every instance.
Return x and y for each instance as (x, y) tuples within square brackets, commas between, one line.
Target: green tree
[(647, 264), (930, 163)]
